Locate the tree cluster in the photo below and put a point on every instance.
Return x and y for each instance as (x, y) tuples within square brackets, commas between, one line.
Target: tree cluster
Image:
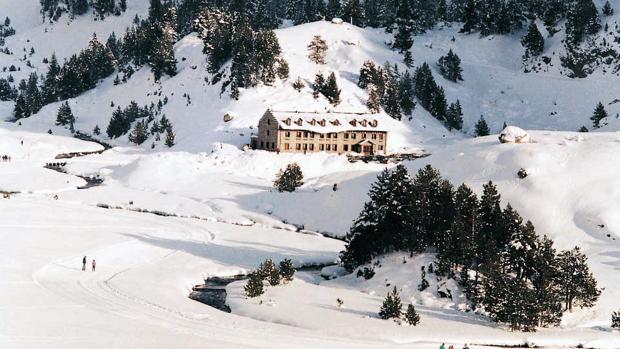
[(145, 123), (54, 9), (432, 97), (329, 89), (506, 270), (392, 308), (6, 30), (270, 272), (255, 54), (388, 89)]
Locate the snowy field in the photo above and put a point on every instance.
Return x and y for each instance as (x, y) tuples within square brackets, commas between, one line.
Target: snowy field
[(147, 264)]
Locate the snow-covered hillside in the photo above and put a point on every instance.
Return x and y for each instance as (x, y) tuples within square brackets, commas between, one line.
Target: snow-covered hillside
[(217, 214)]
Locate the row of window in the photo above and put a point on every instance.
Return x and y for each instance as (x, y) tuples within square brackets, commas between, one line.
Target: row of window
[(320, 147), (352, 135), (267, 145)]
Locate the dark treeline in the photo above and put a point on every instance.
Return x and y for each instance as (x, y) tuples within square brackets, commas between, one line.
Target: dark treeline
[(54, 9), (505, 269)]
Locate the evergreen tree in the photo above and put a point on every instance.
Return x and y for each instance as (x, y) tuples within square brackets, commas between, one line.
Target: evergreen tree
[(51, 88), (298, 84), (334, 9), (470, 17), (96, 130), (450, 67), (607, 9), (577, 283), (405, 27), (412, 316), (582, 20), (391, 99), (317, 50), (599, 115), (269, 271), (139, 134), (290, 179), (286, 270), (254, 286), (164, 36), (482, 129), (439, 105), (392, 306), (406, 94), (64, 116), (374, 99), (615, 320), (454, 116), (353, 12), (20, 110), (331, 90), (533, 41), (170, 137)]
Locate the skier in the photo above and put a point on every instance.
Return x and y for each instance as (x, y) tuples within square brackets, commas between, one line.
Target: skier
[(95, 264), (84, 263), (442, 346), (465, 347), (451, 347)]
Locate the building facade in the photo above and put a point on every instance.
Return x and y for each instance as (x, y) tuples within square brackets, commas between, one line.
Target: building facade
[(304, 132)]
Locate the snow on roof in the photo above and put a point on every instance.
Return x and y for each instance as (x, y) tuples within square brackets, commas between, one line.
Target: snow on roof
[(326, 122)]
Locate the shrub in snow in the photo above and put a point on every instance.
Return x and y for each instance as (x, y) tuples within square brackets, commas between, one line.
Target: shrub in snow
[(615, 320), (424, 283), (286, 270), (269, 271), (513, 134), (412, 316), (391, 307), (317, 50), (367, 273), (340, 302), (289, 179), (254, 287), (522, 173)]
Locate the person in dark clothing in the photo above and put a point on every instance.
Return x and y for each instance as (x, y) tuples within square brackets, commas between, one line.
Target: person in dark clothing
[(94, 264), (84, 263)]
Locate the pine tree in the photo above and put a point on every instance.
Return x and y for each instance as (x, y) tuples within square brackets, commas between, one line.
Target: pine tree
[(450, 67), (374, 99), (607, 9), (298, 84), (254, 286), (318, 86), (470, 17), (576, 281), (391, 99), (290, 179), (286, 270), (96, 130), (582, 20), (599, 115), (331, 90), (353, 12), (139, 134), (406, 94), (403, 39), (170, 137), (533, 41), (51, 88), (412, 316), (482, 129), (317, 50), (65, 115), (615, 320), (20, 110), (392, 306), (454, 116), (439, 105), (334, 9)]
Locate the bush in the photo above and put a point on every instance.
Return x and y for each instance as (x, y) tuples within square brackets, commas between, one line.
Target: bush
[(286, 270), (269, 271), (254, 287), (289, 179), (615, 319)]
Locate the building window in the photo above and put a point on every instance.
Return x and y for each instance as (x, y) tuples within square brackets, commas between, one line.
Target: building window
[(329, 147), (335, 135), (374, 136), (354, 135), (287, 146), (381, 136), (287, 134), (322, 135), (346, 135), (298, 146), (262, 144), (267, 132), (311, 134), (306, 134), (329, 135), (299, 134), (335, 147), (346, 147), (364, 135), (268, 121), (380, 147), (321, 147), (305, 147), (312, 147), (273, 145)]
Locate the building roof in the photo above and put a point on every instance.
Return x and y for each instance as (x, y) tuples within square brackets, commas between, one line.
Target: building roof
[(327, 122)]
